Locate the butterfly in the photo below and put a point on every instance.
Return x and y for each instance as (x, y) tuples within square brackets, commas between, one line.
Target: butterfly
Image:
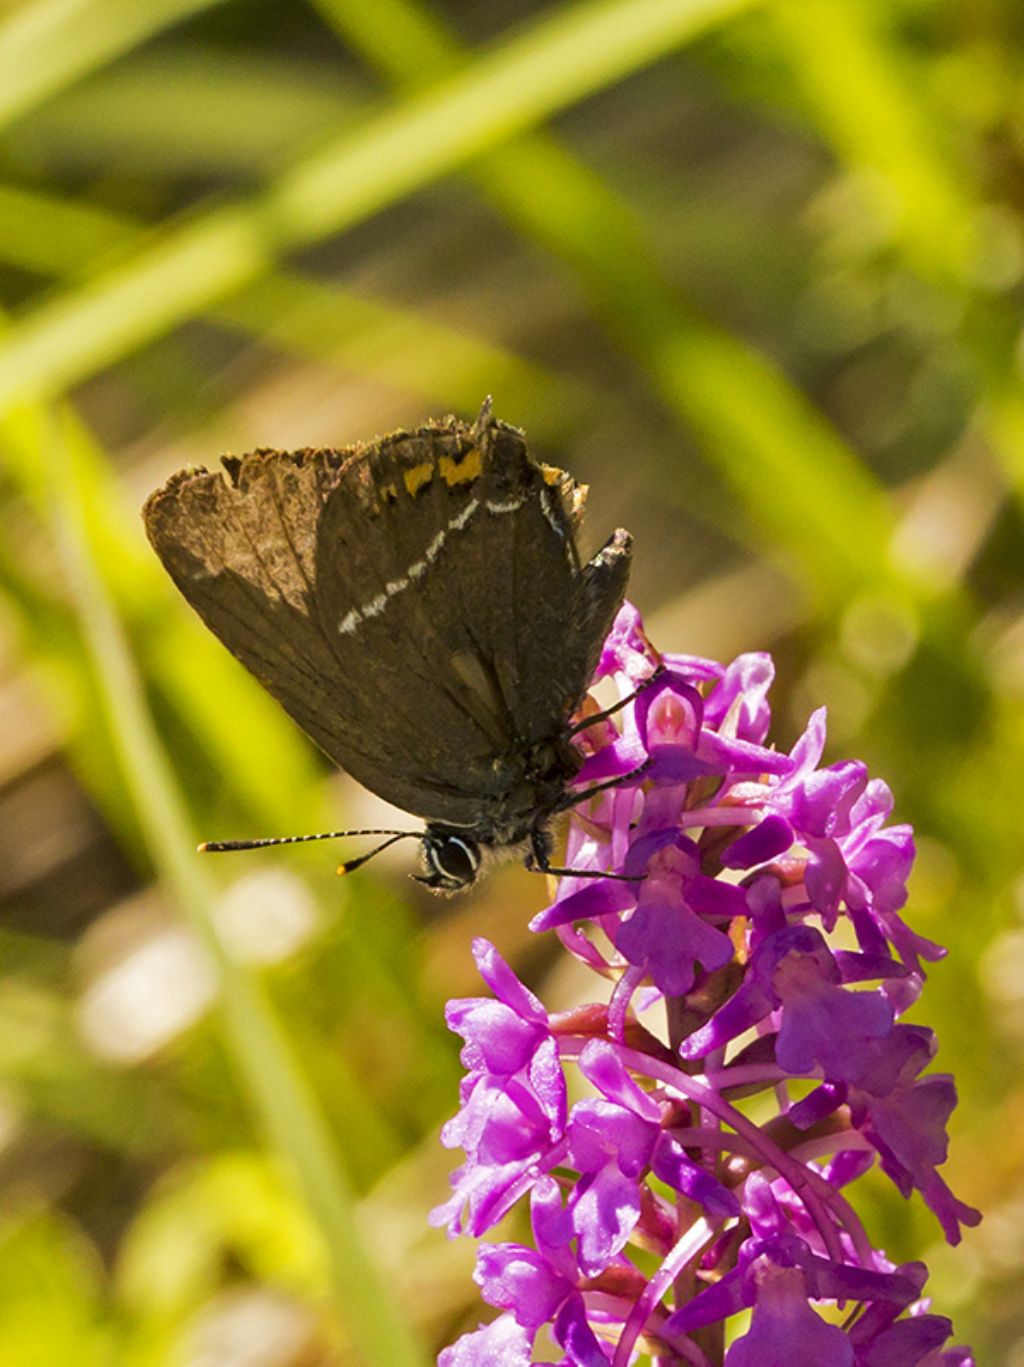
[(418, 605)]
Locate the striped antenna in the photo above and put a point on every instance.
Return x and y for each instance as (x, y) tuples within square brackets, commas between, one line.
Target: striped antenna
[(350, 865), (221, 846)]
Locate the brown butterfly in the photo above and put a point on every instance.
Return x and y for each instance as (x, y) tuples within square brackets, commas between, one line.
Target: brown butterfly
[(418, 605)]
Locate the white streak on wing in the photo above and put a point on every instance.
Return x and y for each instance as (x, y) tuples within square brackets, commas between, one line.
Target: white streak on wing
[(434, 549), (458, 522), (356, 616), (376, 606), (509, 507)]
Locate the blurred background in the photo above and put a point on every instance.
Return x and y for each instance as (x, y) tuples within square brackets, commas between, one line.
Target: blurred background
[(753, 268)]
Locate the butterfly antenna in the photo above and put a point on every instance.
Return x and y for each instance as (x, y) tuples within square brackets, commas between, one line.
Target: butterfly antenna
[(350, 865), (221, 846)]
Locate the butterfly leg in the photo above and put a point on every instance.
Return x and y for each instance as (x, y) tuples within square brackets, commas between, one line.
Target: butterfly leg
[(617, 707), (574, 799), (538, 861)]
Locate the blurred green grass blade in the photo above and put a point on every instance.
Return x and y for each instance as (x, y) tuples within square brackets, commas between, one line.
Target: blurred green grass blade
[(868, 103), (267, 1066), (190, 110), (192, 670), (799, 482), (49, 234), (864, 100), (562, 58), (275, 784), (405, 41), (797, 478), (312, 319), (162, 284), (570, 53), (409, 351), (47, 45), (794, 473)]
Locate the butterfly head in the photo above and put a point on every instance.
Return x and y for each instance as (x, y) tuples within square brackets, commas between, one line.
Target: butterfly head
[(451, 861)]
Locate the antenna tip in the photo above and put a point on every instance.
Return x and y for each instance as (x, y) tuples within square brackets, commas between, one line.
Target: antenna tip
[(203, 848)]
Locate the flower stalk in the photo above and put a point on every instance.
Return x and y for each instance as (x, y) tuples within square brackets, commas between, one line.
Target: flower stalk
[(695, 1207)]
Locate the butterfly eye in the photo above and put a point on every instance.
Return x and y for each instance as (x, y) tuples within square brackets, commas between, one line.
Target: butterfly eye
[(451, 861)]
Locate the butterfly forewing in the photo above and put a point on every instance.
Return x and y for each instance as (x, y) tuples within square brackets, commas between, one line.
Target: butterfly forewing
[(233, 549), (417, 605)]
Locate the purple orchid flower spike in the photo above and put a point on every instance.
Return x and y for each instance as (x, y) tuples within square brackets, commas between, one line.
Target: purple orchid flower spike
[(704, 1169)]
